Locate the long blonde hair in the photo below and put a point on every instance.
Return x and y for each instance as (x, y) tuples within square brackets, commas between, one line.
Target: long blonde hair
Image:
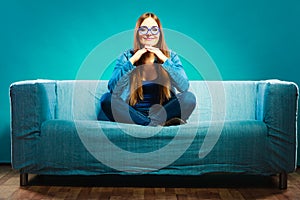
[(136, 90)]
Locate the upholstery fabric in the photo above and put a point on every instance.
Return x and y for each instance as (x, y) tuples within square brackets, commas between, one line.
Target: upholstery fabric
[(55, 131)]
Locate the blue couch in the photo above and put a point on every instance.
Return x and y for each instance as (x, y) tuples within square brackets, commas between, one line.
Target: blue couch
[(246, 127)]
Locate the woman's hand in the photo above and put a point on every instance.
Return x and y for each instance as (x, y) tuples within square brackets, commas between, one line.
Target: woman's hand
[(137, 55), (157, 52)]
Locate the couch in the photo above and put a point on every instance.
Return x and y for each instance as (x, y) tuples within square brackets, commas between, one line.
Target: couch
[(244, 127)]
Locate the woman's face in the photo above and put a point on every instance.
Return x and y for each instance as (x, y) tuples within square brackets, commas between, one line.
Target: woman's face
[(151, 36)]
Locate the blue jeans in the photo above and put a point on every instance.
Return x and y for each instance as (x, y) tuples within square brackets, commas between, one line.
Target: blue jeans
[(115, 109)]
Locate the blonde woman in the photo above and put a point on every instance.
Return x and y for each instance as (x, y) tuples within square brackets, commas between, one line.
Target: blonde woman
[(148, 85)]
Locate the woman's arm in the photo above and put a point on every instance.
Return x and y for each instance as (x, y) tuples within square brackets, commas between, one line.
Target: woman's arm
[(177, 74), (123, 66), (174, 67)]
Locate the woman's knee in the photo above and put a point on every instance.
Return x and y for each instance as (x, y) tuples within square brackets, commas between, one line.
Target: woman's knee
[(188, 98)]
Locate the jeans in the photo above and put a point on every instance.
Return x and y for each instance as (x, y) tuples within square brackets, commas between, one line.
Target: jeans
[(115, 109)]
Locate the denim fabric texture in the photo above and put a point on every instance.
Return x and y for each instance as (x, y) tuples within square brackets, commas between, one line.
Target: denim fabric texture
[(180, 106), (119, 81)]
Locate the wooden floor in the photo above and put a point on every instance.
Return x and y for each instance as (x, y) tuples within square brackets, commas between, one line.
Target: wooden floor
[(216, 186)]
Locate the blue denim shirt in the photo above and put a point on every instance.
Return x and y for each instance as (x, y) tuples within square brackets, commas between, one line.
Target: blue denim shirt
[(120, 79)]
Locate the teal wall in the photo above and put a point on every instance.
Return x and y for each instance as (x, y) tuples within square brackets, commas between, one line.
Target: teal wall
[(49, 39)]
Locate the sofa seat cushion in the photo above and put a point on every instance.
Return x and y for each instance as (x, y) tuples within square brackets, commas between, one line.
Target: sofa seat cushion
[(80, 148)]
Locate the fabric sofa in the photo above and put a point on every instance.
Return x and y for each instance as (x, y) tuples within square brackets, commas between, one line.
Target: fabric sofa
[(246, 127)]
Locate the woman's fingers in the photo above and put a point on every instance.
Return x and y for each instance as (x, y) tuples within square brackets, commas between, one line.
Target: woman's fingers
[(137, 55), (157, 52)]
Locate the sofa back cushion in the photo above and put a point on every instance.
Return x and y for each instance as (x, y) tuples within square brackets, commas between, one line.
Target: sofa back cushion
[(79, 99), (224, 100), (216, 100)]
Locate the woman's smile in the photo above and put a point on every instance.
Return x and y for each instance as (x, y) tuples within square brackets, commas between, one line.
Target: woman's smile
[(149, 38)]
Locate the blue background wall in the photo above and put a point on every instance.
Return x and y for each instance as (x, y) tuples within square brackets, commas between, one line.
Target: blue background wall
[(49, 39)]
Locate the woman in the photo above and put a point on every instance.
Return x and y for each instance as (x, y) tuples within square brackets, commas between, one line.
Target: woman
[(142, 86)]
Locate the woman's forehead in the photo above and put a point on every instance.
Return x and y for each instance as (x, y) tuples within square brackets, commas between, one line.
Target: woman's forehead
[(149, 22)]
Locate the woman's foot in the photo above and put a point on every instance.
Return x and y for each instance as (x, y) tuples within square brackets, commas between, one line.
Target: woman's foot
[(174, 122)]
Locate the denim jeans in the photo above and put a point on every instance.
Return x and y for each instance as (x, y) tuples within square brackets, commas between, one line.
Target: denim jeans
[(115, 109)]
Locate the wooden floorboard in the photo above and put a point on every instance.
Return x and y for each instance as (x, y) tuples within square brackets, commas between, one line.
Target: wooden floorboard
[(218, 186)]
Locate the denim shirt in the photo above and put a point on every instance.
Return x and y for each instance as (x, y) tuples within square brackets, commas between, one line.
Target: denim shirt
[(120, 79)]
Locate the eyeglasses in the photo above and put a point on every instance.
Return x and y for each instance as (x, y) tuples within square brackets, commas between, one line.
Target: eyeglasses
[(143, 30)]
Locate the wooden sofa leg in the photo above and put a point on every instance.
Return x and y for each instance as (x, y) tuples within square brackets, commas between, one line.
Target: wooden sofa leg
[(283, 180), (23, 179)]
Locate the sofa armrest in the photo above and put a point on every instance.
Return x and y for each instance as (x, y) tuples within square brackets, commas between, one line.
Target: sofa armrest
[(32, 103), (277, 105)]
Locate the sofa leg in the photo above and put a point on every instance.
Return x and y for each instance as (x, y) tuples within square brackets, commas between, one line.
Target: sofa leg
[(283, 180), (23, 179)]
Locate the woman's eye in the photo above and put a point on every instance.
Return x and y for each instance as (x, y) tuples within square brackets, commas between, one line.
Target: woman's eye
[(143, 29), (154, 29)]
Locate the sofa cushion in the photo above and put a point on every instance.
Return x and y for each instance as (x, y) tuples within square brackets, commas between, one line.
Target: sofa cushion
[(79, 99), (82, 141), (216, 100)]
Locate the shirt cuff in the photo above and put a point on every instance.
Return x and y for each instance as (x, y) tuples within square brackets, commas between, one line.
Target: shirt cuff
[(168, 63), (129, 66)]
